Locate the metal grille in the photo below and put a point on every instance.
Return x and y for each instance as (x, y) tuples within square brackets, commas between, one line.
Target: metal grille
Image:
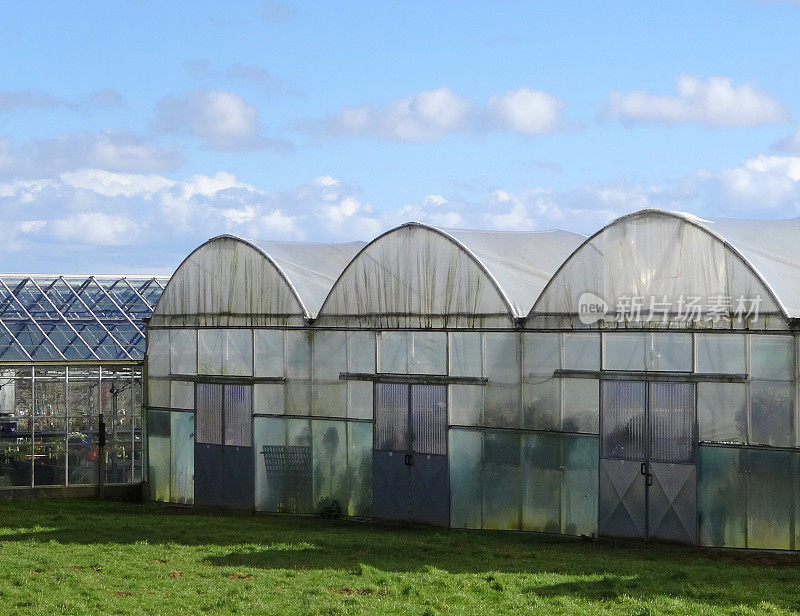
[(288, 477), (624, 425), (429, 419), (672, 422), (391, 416), (209, 414), (238, 414)]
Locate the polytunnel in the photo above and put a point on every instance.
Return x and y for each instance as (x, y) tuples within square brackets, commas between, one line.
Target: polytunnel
[(673, 340), (229, 337), (373, 401)]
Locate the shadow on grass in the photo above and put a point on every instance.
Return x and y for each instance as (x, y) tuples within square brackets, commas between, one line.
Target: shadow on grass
[(609, 571)]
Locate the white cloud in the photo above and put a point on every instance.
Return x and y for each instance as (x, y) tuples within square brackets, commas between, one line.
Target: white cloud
[(225, 121), (113, 151), (715, 102), (531, 112), (97, 229), (431, 115), (100, 218)]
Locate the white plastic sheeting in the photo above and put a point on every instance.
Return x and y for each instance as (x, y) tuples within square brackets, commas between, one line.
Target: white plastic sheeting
[(229, 281), (668, 260), (420, 276)]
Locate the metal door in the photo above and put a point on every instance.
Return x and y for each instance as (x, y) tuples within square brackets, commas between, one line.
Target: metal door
[(224, 467), (410, 469), (647, 473)]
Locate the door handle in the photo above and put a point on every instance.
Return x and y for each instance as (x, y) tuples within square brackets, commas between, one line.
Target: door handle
[(648, 476), (409, 459)]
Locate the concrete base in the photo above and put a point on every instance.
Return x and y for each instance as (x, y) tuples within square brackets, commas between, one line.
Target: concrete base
[(127, 493)]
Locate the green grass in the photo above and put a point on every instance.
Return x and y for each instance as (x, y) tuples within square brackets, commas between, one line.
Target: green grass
[(88, 557)]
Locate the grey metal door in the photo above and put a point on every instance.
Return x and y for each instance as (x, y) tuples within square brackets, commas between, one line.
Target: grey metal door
[(647, 471), (224, 467), (410, 475)]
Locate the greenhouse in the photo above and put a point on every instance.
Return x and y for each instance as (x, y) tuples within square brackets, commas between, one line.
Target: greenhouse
[(71, 353), (638, 384)]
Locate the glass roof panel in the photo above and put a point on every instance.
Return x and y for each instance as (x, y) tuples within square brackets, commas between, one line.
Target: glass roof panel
[(79, 317)]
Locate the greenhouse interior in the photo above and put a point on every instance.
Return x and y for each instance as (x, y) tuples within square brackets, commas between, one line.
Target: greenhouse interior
[(639, 383), (71, 354)]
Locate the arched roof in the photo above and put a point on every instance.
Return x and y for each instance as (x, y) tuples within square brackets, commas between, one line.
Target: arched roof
[(231, 281), (418, 275), (670, 255)]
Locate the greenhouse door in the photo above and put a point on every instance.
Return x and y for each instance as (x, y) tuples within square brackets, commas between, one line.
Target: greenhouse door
[(647, 467), (223, 451), (410, 474)]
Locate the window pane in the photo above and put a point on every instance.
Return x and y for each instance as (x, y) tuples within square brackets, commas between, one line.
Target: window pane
[(542, 354), (183, 351), (771, 357), (670, 352), (624, 351), (329, 355), (158, 392), (771, 410), (465, 354), (502, 395), (181, 395), (581, 406), (428, 353), (359, 468), (239, 352), (465, 478), (466, 405), (359, 404), (182, 458), (362, 352), (721, 500), (330, 456), (298, 355), (210, 343), (268, 398), (502, 480), (721, 353), (268, 349), (581, 351), (542, 403), (158, 352), (393, 352), (721, 411)]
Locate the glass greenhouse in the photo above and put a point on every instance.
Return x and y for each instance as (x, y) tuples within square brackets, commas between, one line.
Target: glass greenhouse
[(639, 383), (71, 353)]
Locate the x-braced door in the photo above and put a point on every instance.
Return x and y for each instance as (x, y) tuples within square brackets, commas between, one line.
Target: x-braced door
[(409, 470), (647, 461)]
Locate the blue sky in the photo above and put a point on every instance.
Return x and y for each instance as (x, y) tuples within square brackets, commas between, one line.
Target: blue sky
[(132, 131)]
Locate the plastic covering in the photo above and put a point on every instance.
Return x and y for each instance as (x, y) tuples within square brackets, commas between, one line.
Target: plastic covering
[(230, 281), (64, 318), (420, 276), (301, 462), (670, 260)]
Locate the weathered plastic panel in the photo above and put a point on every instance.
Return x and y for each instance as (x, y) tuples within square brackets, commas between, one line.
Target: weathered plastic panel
[(660, 255)]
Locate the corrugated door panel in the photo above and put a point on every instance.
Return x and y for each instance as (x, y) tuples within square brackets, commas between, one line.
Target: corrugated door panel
[(623, 420), (391, 417), (429, 419), (672, 422), (209, 414), (238, 401)]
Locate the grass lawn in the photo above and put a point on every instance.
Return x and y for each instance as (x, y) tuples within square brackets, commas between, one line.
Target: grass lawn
[(86, 557)]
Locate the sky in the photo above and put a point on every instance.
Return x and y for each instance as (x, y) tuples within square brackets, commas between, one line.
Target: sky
[(132, 131)]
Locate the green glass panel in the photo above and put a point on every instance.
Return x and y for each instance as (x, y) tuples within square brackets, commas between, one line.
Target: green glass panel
[(721, 501), (502, 493), (770, 477), (158, 454), (465, 478), (182, 458), (269, 432), (329, 442), (359, 468), (541, 482), (579, 458)]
